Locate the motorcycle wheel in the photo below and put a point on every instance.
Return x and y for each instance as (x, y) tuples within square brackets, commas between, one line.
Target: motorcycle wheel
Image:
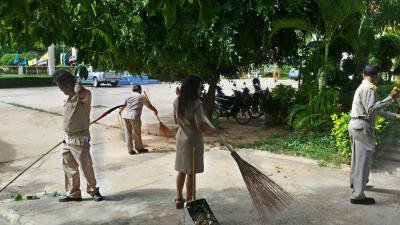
[(243, 116), (255, 112)]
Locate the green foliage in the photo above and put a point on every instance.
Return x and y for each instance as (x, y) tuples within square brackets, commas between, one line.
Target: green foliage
[(279, 101), (318, 146), (388, 46), (341, 133), (81, 71), (314, 114), (16, 197)]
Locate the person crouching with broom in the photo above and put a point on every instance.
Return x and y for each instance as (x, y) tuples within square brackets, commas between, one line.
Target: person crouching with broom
[(132, 113), (76, 146), (189, 115)]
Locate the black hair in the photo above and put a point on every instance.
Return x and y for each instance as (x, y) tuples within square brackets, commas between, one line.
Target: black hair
[(256, 81), (189, 93), (63, 77), (137, 88), (371, 70)]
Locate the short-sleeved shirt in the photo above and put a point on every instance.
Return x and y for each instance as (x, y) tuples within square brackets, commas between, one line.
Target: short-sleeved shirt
[(77, 113), (134, 106), (194, 115)]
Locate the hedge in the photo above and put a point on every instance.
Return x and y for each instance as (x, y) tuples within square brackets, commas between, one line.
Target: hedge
[(27, 81)]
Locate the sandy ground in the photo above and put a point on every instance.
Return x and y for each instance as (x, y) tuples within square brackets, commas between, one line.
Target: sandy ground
[(140, 189)]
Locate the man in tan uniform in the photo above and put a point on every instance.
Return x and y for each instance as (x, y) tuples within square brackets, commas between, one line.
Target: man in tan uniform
[(76, 146), (131, 115), (363, 114)]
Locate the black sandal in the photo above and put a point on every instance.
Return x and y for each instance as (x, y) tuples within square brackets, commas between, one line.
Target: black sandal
[(142, 150)]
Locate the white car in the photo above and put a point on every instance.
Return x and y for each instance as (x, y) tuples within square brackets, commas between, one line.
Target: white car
[(97, 77), (294, 74)]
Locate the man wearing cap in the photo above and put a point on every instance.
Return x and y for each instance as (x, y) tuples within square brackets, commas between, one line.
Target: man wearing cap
[(364, 109), (131, 115)]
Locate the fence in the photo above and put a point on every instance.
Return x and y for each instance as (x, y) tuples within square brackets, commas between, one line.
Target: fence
[(31, 70)]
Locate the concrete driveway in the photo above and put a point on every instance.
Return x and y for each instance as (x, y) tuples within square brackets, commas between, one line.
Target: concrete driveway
[(140, 189)]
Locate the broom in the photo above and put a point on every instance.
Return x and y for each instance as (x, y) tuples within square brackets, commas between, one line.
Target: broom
[(164, 130), (121, 128), (55, 146), (268, 197)]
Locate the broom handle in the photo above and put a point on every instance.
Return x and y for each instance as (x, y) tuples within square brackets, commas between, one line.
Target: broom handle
[(222, 138), (225, 142), (144, 92), (27, 168), (58, 144), (194, 174)]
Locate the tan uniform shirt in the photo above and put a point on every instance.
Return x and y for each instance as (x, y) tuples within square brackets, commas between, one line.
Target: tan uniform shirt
[(134, 106), (77, 114), (366, 105)]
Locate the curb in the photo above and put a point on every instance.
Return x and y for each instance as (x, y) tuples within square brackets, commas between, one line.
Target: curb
[(13, 217)]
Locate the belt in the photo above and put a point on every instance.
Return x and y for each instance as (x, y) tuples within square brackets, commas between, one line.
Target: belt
[(360, 118)]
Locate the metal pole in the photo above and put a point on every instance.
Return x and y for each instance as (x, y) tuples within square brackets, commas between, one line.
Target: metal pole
[(51, 60)]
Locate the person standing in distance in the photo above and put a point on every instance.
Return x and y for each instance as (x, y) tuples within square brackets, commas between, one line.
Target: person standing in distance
[(131, 113), (363, 114)]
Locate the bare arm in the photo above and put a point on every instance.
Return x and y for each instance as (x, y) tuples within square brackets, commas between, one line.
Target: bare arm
[(205, 128), (80, 91), (122, 108)]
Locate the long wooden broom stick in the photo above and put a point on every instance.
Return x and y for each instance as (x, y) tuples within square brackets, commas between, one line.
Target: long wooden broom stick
[(55, 146)]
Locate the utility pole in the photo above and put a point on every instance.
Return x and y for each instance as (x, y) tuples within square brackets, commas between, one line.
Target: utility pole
[(51, 60)]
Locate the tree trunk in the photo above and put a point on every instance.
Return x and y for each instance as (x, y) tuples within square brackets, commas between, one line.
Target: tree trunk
[(209, 103), (322, 73)]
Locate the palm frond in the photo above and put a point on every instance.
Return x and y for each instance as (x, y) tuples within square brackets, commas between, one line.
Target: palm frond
[(286, 23)]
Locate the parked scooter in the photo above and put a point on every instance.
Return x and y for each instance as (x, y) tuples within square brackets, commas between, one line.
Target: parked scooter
[(256, 98), (232, 106)]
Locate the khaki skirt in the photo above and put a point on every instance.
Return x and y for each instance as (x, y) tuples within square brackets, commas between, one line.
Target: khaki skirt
[(184, 152)]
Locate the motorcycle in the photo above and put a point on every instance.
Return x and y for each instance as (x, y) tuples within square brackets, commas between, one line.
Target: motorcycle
[(232, 106), (256, 99)]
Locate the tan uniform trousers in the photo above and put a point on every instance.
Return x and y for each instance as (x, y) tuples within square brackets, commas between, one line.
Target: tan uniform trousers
[(76, 152), (362, 139), (133, 131)]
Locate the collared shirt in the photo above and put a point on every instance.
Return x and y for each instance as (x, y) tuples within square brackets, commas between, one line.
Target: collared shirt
[(366, 105), (77, 114), (134, 106)]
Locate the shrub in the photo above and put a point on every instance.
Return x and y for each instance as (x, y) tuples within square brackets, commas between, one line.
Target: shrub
[(387, 46), (24, 81), (341, 134), (315, 113), (279, 101)]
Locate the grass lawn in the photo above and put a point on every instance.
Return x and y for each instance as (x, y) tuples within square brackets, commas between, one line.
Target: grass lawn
[(318, 146)]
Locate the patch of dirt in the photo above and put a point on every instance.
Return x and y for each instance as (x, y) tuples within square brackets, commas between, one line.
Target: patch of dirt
[(230, 129), (249, 132)]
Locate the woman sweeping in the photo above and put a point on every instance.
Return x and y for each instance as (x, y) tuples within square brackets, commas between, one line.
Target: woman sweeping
[(189, 115)]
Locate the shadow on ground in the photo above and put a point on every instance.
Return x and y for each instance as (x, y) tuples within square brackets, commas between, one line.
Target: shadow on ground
[(7, 152)]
